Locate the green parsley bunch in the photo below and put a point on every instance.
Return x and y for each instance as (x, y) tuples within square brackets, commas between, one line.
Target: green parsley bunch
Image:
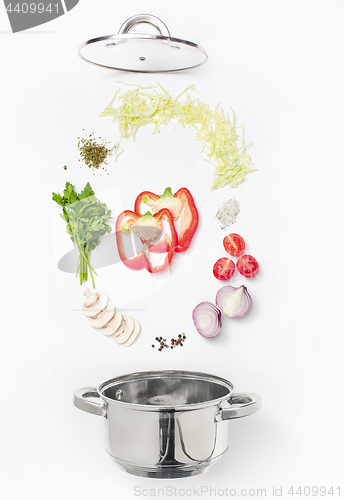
[(85, 216)]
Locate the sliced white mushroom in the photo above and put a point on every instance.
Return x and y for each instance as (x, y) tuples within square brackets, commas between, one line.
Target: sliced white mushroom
[(112, 326), (122, 326), (90, 297), (95, 303), (126, 330), (103, 317), (134, 335), (102, 314), (120, 329)]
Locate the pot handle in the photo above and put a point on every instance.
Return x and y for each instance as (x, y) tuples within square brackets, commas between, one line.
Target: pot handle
[(81, 402), (239, 405)]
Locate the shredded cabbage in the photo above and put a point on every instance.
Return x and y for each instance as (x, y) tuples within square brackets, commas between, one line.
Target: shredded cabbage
[(219, 136)]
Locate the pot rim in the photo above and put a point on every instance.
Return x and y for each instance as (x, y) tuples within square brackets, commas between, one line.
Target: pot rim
[(159, 373)]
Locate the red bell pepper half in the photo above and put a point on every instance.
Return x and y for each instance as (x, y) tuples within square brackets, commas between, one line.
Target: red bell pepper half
[(180, 203), (147, 227)]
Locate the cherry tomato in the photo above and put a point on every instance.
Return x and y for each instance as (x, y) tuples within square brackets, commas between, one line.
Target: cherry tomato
[(223, 269), (234, 244), (247, 266)]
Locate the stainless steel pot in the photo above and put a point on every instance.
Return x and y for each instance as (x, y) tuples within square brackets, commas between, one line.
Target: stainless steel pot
[(166, 424)]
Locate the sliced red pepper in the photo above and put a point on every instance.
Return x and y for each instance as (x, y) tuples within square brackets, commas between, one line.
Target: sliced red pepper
[(147, 227), (180, 203)]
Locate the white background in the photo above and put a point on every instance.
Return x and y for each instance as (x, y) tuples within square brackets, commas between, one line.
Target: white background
[(279, 65)]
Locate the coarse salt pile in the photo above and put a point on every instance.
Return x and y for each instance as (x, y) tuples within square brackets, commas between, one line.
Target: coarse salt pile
[(228, 212)]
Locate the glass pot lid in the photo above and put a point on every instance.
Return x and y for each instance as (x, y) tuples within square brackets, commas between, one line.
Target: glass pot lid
[(141, 52)]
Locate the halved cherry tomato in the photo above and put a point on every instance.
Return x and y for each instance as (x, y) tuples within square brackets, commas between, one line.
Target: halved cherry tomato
[(247, 266), (223, 269), (234, 244)]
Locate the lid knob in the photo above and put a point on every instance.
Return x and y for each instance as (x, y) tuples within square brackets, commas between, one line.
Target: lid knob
[(144, 18)]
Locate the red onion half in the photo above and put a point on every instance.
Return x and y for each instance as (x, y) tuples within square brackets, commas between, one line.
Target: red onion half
[(207, 319), (234, 302)]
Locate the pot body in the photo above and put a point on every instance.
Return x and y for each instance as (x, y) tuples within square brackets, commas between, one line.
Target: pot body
[(165, 443), (167, 424)]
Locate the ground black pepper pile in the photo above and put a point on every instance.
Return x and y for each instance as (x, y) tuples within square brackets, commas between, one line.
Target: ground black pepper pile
[(179, 341), (94, 155)]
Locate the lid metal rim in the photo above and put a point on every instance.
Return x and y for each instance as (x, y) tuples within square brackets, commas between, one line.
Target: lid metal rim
[(143, 36), (155, 374)]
